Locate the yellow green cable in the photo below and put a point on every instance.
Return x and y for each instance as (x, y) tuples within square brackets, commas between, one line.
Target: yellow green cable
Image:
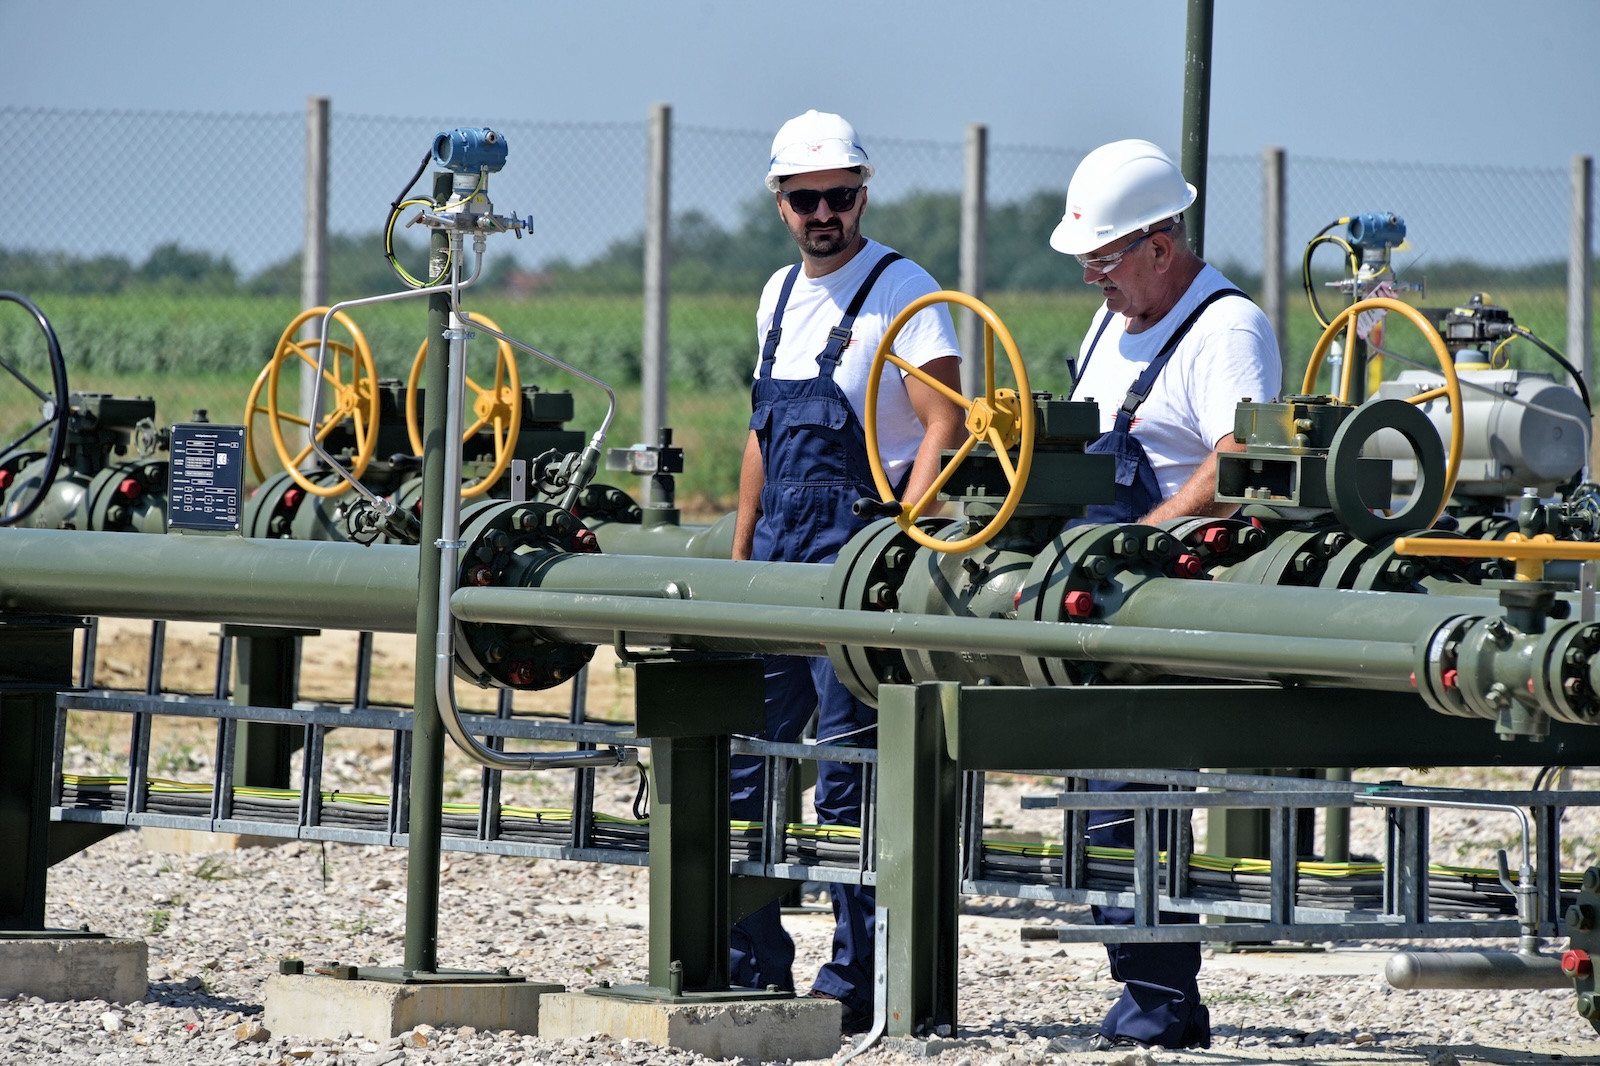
[(830, 833)]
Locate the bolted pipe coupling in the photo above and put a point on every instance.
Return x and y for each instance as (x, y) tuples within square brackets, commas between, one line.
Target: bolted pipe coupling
[(503, 541), (1476, 667)]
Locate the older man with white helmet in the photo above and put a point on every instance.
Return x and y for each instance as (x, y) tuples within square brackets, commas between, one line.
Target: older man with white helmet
[(1176, 345), (1168, 358), (819, 324)]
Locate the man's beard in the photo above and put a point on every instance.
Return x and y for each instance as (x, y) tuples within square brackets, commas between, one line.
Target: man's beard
[(828, 240)]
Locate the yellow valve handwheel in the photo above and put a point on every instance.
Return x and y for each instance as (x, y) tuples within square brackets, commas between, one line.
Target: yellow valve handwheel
[(355, 399), (1001, 418), (1451, 389), (499, 406)]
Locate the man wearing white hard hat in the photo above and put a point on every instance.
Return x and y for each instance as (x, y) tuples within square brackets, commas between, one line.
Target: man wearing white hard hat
[(818, 325), (1168, 358)]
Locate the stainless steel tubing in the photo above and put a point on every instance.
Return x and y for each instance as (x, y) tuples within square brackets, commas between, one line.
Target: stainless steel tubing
[(1474, 970)]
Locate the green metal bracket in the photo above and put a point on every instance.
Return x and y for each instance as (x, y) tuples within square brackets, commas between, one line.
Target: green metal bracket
[(689, 710), (266, 665), (1005, 728), (35, 663), (918, 831), (749, 894)]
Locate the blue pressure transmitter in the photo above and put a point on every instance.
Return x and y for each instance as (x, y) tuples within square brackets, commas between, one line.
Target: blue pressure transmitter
[(469, 150), (1376, 229)]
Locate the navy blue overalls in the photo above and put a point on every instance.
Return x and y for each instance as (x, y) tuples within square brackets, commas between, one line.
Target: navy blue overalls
[(1160, 1002), (814, 466)]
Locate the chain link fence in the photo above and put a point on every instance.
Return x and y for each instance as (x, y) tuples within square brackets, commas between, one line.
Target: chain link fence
[(167, 251)]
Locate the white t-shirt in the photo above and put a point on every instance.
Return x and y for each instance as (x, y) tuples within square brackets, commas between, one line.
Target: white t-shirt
[(817, 304), (1229, 354)]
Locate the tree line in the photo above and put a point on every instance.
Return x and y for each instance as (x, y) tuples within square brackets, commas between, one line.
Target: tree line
[(705, 258)]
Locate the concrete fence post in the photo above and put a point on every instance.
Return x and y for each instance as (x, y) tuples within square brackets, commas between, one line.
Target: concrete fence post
[(314, 256), (974, 253), (657, 265), (1274, 215), (1580, 276)]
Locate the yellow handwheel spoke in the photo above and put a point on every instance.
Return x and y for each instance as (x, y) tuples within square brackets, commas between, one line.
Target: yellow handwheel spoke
[(946, 472), (1000, 453), (929, 380)]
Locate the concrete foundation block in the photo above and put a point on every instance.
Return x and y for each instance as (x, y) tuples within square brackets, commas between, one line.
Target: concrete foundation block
[(115, 969), (164, 841), (766, 1029), (319, 1008)]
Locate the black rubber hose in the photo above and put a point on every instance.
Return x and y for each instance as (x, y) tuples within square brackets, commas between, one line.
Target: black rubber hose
[(56, 418)]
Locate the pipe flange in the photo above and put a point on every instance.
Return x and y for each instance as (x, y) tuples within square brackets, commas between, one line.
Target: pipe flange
[(1567, 683), (607, 503), (1438, 672), (504, 540), (1298, 557), (1084, 576), (1376, 567), (1581, 924), (122, 497), (868, 576)]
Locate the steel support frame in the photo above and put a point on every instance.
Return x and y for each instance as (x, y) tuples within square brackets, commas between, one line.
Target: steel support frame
[(919, 855), (689, 711), (35, 663), (267, 661)]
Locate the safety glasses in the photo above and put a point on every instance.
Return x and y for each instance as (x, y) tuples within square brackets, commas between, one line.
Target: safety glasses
[(1105, 264), (840, 199)]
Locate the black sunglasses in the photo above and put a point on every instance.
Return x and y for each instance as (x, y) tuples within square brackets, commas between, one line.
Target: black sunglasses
[(840, 199)]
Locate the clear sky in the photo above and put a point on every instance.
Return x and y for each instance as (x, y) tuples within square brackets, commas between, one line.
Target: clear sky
[(1497, 82)]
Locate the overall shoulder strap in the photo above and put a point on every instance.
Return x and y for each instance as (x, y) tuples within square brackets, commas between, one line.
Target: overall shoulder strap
[(1076, 373), (1147, 380), (839, 335), (769, 350)]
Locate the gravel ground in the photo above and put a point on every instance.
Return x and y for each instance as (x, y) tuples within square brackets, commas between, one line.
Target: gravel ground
[(217, 924)]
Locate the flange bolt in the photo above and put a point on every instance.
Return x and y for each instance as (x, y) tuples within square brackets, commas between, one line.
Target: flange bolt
[(1186, 565), (1078, 604), (1576, 963)]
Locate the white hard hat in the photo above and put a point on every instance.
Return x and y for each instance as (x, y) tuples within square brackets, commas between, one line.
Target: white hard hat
[(813, 141), (1118, 188)]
